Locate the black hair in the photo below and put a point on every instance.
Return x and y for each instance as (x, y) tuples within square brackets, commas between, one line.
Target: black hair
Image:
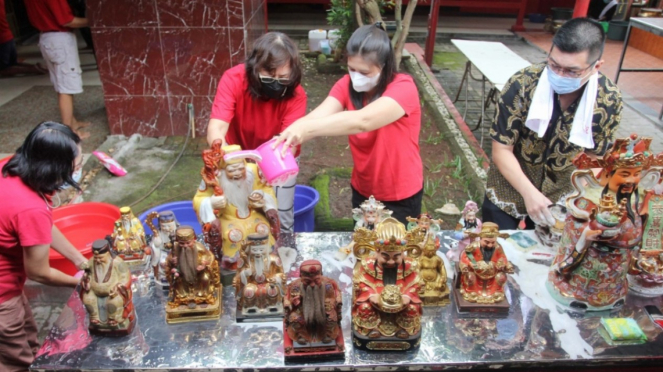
[(271, 51), (45, 160), (372, 44), (581, 34)]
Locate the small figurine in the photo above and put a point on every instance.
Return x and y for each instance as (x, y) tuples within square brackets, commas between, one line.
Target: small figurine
[(603, 226), (434, 290), (259, 281), (162, 243), (106, 292), (483, 267), (312, 321), (233, 192), (129, 238), (420, 228), (369, 213), (551, 235), (386, 309), (193, 276), (468, 223)]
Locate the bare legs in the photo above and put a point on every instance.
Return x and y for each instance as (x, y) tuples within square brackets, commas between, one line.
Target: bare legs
[(66, 104)]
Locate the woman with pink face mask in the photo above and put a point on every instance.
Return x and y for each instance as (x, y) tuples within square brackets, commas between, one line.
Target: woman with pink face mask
[(379, 109)]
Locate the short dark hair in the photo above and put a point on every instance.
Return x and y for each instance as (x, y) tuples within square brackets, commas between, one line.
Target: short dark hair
[(45, 160), (372, 44), (271, 51), (581, 34)]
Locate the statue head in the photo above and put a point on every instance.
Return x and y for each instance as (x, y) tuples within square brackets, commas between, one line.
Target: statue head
[(470, 211), (424, 220), (371, 210), (258, 245), (391, 243), (125, 214), (101, 251), (186, 236), (167, 222), (234, 167), (490, 231), (431, 246), (310, 273)]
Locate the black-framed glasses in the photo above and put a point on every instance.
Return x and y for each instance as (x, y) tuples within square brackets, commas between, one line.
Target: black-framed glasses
[(269, 80), (562, 71)]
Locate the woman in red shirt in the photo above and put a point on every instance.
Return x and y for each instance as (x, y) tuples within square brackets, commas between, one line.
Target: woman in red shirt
[(379, 108), (257, 100), (49, 158)]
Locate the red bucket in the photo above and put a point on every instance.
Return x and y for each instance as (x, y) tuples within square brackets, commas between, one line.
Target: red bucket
[(82, 224)]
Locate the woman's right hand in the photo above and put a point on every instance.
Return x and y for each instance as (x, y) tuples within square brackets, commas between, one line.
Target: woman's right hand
[(291, 137)]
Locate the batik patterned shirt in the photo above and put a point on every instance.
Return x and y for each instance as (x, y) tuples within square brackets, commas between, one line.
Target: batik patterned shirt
[(546, 161)]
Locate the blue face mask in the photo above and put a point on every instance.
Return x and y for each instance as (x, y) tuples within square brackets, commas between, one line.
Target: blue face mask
[(562, 84)]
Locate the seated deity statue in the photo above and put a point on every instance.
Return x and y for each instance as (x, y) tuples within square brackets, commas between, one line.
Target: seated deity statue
[(603, 227), (129, 237), (468, 223), (434, 289), (234, 192), (386, 309), (312, 305), (106, 292), (192, 273), (162, 242), (259, 281), (484, 266)]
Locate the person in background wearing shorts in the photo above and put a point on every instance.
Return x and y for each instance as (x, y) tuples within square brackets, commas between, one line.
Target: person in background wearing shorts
[(57, 42), (9, 64)]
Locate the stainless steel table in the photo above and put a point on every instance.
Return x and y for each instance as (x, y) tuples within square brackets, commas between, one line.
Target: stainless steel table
[(652, 25), (535, 334)]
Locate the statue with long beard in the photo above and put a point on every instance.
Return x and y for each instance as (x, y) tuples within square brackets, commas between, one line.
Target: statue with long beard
[(233, 192), (312, 322), (602, 228), (129, 238)]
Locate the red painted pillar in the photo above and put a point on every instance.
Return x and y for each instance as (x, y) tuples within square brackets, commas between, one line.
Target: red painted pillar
[(432, 30), (580, 9)]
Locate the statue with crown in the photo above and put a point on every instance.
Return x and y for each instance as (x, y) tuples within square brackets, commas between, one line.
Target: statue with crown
[(603, 227), (367, 216), (234, 193), (386, 308), (128, 238)]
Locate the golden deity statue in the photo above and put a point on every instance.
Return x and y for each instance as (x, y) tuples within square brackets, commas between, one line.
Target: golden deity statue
[(434, 289), (129, 237)]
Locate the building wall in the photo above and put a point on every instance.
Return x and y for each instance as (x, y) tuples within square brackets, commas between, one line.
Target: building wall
[(157, 56)]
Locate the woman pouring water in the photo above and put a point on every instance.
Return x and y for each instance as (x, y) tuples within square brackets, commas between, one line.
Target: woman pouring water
[(379, 109)]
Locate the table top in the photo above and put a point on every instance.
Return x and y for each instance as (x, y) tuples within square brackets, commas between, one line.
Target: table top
[(536, 331), (650, 24), (495, 61)]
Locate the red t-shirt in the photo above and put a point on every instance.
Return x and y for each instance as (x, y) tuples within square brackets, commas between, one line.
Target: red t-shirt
[(253, 121), (387, 163), (25, 220), (49, 15), (5, 31)]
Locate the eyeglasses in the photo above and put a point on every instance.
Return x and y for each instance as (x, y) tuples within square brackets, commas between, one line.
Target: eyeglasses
[(269, 80), (572, 73)]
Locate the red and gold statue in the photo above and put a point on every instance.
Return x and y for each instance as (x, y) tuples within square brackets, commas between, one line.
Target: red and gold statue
[(602, 228), (106, 292), (484, 266), (193, 275), (386, 309), (129, 238), (259, 282), (312, 322)]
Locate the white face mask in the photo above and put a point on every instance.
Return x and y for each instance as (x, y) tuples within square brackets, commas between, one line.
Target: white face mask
[(77, 175), (363, 83)]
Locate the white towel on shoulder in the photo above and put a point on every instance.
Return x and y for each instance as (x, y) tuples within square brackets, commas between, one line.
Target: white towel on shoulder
[(541, 108)]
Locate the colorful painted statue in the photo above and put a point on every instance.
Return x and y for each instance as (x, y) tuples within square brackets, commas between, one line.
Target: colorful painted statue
[(129, 237), (106, 292), (369, 214), (162, 243), (312, 322), (602, 228), (386, 309), (193, 276), (468, 223), (434, 289), (646, 270), (233, 191), (484, 266), (259, 281)]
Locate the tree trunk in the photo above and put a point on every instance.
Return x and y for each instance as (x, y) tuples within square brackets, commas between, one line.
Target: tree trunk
[(370, 9), (401, 32)]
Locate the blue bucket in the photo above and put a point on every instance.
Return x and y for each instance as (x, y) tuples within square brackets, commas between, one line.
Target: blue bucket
[(305, 200), (183, 212)]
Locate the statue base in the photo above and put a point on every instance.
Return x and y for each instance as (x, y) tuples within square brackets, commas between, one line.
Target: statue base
[(136, 263), (182, 313), (295, 352), (260, 315), (119, 331), (436, 300), (645, 288), (464, 306), (385, 343)]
